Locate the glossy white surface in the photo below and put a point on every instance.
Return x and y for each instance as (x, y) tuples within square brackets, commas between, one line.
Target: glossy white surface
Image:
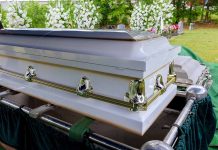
[(105, 84), (110, 65), (188, 69), (139, 57), (137, 122)]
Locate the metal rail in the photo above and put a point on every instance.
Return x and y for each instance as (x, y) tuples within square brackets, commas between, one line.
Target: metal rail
[(65, 127), (172, 134), (91, 95), (194, 93)]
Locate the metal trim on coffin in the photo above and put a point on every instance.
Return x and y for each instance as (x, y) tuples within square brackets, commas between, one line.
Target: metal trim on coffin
[(130, 105), (135, 122)]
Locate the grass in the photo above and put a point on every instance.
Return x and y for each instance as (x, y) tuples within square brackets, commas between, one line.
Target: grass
[(203, 41)]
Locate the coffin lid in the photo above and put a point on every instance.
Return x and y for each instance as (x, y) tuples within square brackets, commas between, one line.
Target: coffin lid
[(129, 53), (90, 34)]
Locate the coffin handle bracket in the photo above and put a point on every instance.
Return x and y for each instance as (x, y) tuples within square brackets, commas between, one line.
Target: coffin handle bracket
[(84, 87), (136, 95), (30, 73)]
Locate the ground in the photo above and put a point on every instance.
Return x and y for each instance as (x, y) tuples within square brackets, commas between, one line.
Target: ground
[(203, 41)]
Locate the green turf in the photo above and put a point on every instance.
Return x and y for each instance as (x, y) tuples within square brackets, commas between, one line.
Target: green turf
[(203, 41)]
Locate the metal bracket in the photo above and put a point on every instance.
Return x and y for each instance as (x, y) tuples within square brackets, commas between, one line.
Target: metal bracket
[(205, 79), (156, 145), (172, 73), (6, 93), (160, 84), (30, 73), (39, 111), (171, 69), (136, 95), (84, 87)]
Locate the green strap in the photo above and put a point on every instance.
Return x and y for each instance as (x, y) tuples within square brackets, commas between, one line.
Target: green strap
[(78, 129)]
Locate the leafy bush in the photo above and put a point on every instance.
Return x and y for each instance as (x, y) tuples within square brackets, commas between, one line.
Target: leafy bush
[(114, 11), (36, 12), (120, 11), (107, 12), (3, 16)]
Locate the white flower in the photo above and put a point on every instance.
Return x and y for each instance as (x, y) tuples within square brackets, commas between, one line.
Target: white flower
[(20, 11), (57, 17), (17, 16), (146, 16), (23, 15), (86, 15), (27, 25)]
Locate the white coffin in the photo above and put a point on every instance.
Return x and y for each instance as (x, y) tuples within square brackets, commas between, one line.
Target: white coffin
[(110, 59), (188, 70)]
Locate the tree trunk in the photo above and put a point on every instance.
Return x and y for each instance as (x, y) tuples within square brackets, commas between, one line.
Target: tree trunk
[(207, 14), (202, 13), (179, 9), (174, 3), (190, 14), (183, 9)]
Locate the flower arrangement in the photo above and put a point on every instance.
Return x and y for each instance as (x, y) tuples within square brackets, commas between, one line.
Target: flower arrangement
[(170, 30), (57, 17), (141, 19), (152, 30), (153, 15), (86, 14), (17, 16), (174, 27)]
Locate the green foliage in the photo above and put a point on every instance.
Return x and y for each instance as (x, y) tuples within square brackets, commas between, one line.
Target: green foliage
[(36, 12), (120, 11), (196, 13), (115, 11), (146, 1), (104, 10), (180, 11), (189, 9), (68, 5), (212, 7), (196, 9), (4, 14)]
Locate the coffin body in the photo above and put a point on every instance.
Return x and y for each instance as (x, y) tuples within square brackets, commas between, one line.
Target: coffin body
[(104, 61), (109, 59)]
